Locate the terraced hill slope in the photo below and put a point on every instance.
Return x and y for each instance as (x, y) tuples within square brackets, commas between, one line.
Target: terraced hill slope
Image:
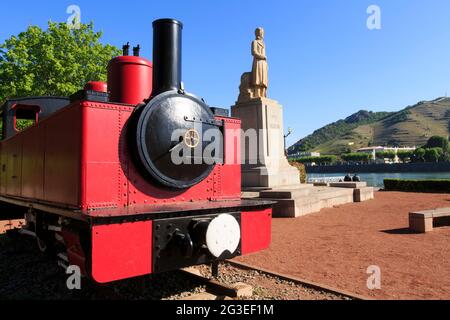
[(412, 126)]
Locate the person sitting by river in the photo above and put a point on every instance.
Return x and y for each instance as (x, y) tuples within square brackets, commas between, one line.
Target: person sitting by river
[(348, 178), (356, 178)]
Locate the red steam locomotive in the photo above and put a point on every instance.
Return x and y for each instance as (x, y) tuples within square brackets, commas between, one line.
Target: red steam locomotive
[(96, 178)]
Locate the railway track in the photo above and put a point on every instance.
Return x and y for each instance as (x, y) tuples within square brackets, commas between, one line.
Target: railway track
[(236, 281), (220, 290), (306, 283)]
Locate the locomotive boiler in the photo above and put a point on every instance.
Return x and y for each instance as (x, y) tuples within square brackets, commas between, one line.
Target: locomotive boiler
[(120, 180)]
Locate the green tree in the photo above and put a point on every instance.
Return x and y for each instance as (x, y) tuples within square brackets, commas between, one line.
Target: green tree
[(357, 157), (405, 155), (445, 157), (437, 142), (433, 154), (386, 155), (57, 61), (419, 155)]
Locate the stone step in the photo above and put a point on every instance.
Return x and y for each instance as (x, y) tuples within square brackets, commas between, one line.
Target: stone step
[(352, 185), (364, 194), (249, 195), (317, 200), (285, 194)]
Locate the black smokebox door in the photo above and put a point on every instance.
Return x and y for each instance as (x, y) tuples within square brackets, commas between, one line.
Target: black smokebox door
[(170, 142)]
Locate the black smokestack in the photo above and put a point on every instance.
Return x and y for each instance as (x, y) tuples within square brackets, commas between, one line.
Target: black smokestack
[(167, 35)]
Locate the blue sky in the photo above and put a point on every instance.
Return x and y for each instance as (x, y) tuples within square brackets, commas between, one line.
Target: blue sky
[(325, 64)]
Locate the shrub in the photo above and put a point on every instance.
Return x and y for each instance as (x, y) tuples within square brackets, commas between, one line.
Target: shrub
[(386, 155), (405, 155), (437, 142), (433, 154), (301, 168), (431, 186), (419, 155), (357, 157)]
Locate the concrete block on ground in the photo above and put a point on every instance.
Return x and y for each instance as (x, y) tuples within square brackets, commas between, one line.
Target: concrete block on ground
[(351, 185), (243, 290), (364, 194), (420, 224), (204, 296), (423, 221)]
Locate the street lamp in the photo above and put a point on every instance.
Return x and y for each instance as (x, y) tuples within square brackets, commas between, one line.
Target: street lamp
[(290, 131)]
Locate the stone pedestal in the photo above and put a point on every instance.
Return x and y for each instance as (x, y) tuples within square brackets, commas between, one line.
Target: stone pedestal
[(302, 199), (265, 164)]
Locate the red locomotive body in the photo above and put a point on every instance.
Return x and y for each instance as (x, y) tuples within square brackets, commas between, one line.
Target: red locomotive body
[(97, 194)]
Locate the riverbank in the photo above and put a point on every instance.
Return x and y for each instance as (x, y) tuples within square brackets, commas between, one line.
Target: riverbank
[(377, 179), (381, 168)]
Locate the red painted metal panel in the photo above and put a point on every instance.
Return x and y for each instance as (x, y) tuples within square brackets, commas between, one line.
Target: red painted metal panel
[(256, 230), (101, 130), (101, 186), (33, 163), (121, 251), (13, 149), (63, 157), (3, 159), (4, 166), (230, 172)]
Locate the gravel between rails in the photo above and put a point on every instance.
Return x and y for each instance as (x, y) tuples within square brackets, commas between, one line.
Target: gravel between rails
[(267, 287), (27, 274)]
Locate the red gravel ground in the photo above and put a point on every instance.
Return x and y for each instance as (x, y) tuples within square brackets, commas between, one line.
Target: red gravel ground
[(336, 246)]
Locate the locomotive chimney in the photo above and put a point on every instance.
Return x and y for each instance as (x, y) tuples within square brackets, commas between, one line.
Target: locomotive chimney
[(167, 35)]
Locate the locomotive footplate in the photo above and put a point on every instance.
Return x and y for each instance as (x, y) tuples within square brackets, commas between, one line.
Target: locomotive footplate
[(188, 241)]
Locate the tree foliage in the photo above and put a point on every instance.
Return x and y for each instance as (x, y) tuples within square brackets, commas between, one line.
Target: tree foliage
[(436, 150), (386, 155), (437, 142), (317, 160), (405, 155), (433, 154), (357, 157), (419, 155), (57, 61)]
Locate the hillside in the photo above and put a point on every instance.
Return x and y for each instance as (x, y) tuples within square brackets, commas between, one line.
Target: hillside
[(412, 126)]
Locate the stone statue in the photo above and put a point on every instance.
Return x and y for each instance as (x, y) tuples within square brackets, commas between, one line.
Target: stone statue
[(264, 162), (259, 80), (254, 84), (245, 92)]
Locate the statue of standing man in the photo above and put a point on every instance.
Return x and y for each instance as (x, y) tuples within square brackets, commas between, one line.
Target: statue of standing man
[(259, 79)]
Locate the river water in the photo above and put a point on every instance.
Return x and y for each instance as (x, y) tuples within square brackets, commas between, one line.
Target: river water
[(377, 179)]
